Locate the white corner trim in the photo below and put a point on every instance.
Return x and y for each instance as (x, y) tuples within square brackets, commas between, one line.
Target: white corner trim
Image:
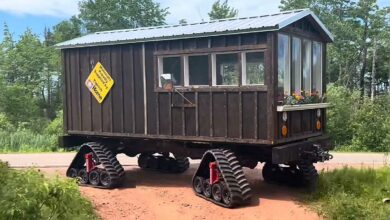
[(286, 108)]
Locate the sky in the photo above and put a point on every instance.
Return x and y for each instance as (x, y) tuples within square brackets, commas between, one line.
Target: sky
[(38, 14)]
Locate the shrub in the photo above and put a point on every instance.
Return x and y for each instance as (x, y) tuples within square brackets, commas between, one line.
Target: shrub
[(5, 124), (369, 125), (353, 194), (29, 195), (344, 103), (27, 141), (56, 126)]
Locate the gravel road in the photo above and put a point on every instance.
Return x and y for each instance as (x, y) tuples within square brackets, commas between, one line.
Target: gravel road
[(153, 195)]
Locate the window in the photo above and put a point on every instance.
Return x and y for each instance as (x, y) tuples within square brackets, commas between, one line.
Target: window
[(283, 65), (170, 70), (306, 68), (317, 67), (296, 65), (198, 70), (253, 68), (227, 69)]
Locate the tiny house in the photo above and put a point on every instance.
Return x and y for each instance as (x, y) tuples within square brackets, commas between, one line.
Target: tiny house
[(251, 87)]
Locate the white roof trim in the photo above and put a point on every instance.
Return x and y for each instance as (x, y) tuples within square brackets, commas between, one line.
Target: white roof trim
[(303, 14), (273, 22)]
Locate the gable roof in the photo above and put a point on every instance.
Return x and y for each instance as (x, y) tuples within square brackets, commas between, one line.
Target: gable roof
[(262, 23)]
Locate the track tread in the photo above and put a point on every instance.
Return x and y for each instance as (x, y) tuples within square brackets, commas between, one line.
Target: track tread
[(105, 158), (233, 177)]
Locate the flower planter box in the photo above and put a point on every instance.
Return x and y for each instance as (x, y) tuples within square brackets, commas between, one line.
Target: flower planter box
[(286, 108)]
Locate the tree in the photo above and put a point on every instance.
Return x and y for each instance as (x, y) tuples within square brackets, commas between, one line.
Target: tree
[(222, 10), (102, 15), (183, 21), (353, 24), (67, 30)]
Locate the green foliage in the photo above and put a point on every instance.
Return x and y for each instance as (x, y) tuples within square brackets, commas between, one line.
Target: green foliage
[(344, 103), (370, 125), (56, 126), (29, 195), (222, 10), (27, 141), (5, 124), (353, 194), (67, 30), (357, 124), (102, 15)]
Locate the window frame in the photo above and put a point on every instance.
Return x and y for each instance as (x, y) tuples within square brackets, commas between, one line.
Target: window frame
[(214, 69), (187, 69), (243, 67), (160, 68)]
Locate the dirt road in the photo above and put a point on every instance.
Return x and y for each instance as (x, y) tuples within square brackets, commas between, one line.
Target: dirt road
[(153, 195)]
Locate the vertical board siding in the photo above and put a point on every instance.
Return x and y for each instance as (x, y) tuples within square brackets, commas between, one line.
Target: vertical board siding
[(68, 87), (128, 89), (204, 114), (164, 112), (94, 56), (139, 90), (86, 111), (105, 59), (219, 114), (248, 111), (150, 94), (117, 90), (233, 122), (75, 87)]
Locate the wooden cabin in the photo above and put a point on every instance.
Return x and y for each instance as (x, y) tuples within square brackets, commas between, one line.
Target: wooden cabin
[(229, 80)]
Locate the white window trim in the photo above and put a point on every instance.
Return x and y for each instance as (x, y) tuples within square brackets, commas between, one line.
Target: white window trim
[(160, 66), (243, 67), (186, 70), (310, 66), (214, 69), (214, 76), (300, 63)]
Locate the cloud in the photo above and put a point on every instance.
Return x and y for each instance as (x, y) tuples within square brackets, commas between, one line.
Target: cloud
[(197, 10), (54, 8)]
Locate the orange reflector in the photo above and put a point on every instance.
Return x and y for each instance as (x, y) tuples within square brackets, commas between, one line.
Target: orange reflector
[(284, 130), (318, 125)]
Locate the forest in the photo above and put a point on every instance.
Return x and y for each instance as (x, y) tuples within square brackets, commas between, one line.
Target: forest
[(358, 69)]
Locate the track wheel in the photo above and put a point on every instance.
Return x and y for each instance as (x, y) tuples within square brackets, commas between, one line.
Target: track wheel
[(72, 173), (198, 184), (153, 163), (216, 191), (270, 172), (164, 164), (310, 176), (94, 177), (207, 188), (143, 161), (83, 176), (226, 195), (105, 179)]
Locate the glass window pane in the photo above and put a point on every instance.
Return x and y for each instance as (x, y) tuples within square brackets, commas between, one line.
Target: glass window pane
[(283, 66), (172, 70), (227, 69), (306, 58), (198, 70), (317, 68), (254, 68), (296, 66)]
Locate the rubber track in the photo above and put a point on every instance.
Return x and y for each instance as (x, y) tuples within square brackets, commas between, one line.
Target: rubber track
[(233, 175), (106, 158), (181, 165)]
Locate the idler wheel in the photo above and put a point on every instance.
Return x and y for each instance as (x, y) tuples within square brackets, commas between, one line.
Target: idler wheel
[(83, 176), (207, 188), (105, 179), (72, 173), (226, 195), (94, 177), (216, 191), (198, 184)]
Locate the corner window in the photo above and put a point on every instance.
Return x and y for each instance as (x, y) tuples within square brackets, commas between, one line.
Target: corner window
[(317, 68), (198, 70), (227, 69), (253, 68), (170, 69), (283, 66), (306, 66), (296, 65)]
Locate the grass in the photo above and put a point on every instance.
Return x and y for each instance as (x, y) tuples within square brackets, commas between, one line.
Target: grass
[(27, 194), (27, 141), (350, 193)]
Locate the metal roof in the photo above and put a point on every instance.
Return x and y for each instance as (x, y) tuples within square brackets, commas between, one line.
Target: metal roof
[(272, 22)]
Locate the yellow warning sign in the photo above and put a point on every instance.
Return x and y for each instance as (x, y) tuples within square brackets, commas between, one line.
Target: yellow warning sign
[(99, 82)]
